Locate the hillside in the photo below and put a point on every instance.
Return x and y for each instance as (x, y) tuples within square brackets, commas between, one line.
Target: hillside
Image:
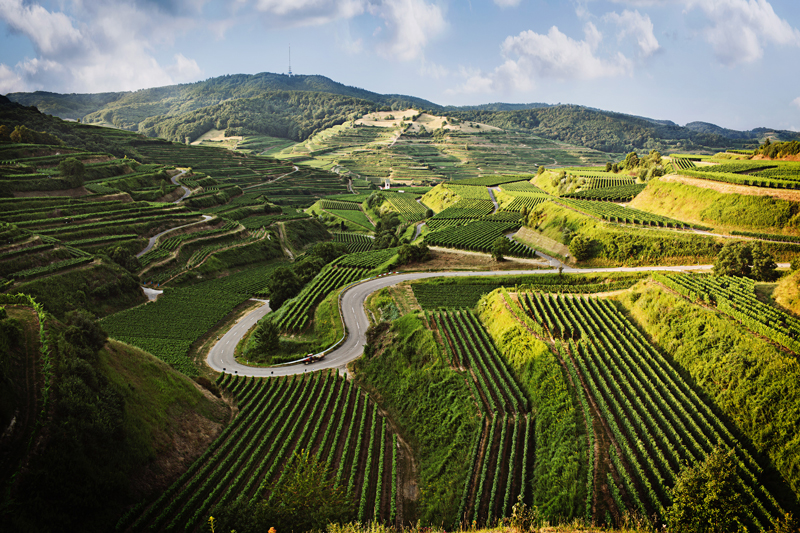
[(169, 112), (615, 132), (128, 109), (290, 115), (111, 424), (590, 398)]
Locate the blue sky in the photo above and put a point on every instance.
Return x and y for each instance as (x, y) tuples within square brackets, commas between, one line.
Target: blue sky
[(730, 62)]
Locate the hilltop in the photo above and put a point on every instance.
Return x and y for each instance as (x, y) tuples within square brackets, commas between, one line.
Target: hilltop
[(247, 104)]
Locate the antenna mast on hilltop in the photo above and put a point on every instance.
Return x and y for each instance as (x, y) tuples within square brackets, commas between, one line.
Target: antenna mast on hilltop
[(290, 60)]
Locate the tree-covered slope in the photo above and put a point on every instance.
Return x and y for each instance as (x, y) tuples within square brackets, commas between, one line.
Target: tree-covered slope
[(102, 424), (128, 109), (617, 132), (287, 114)]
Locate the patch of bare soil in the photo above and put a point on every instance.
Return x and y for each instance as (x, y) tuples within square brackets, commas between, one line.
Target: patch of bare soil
[(730, 188)]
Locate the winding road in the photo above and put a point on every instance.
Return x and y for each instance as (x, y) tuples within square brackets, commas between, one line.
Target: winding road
[(186, 190), (154, 238), (221, 357)]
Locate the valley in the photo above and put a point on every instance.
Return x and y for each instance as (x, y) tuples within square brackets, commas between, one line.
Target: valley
[(512, 316)]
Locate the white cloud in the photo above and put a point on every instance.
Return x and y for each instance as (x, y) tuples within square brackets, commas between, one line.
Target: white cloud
[(560, 57), (638, 26), (531, 56), (433, 70), (410, 25), (740, 28), (508, 3), (737, 30), (10, 81), (184, 68), (49, 32), (311, 12), (111, 50), (795, 102)]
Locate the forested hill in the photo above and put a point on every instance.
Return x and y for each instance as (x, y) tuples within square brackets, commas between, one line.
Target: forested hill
[(616, 132), (128, 109), (288, 114), (296, 107)]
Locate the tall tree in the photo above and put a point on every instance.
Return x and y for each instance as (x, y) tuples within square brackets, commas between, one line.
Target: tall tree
[(733, 260), (707, 498)]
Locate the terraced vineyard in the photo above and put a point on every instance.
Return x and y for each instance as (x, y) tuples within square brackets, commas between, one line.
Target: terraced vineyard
[(740, 179), (767, 236), (524, 203), (501, 465), (407, 205), (335, 204), (526, 188), (470, 192), (296, 313), (320, 414), (461, 212), (682, 163), (736, 297), (654, 418), (493, 181), (626, 215), (478, 236), (355, 242), (622, 193), (372, 259), (168, 327), (438, 294)]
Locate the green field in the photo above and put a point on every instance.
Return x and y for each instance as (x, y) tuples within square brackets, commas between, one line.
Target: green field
[(552, 399)]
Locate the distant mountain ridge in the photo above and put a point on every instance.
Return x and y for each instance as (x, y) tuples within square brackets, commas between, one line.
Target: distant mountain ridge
[(178, 99), (282, 105)]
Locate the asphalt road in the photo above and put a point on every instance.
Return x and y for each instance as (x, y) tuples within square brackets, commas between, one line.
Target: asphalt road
[(186, 191), (221, 358), (154, 239)]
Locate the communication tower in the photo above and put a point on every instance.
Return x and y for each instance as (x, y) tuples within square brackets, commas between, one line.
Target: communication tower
[(290, 60)]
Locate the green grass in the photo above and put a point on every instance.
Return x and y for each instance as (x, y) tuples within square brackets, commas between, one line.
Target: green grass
[(357, 217), (100, 288), (725, 211), (560, 452), (625, 245), (431, 404), (753, 383)]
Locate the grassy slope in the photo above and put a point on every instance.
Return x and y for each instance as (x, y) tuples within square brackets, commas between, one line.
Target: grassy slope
[(753, 383), (787, 293), (102, 288), (302, 233), (545, 181), (440, 198), (169, 420), (166, 423), (557, 479), (432, 406), (614, 245), (723, 211)]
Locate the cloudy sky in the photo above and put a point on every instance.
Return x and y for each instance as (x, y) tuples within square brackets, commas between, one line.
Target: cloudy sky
[(735, 63)]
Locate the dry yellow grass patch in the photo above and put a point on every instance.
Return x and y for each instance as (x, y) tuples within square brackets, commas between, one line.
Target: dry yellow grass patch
[(787, 293), (216, 136)]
